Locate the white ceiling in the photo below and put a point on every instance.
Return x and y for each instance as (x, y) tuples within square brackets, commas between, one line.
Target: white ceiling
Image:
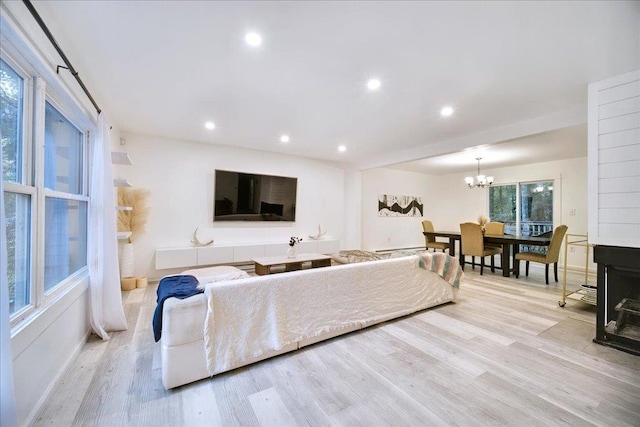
[(510, 69), (566, 143)]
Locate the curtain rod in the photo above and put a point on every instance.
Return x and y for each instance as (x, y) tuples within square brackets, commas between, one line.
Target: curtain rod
[(69, 67)]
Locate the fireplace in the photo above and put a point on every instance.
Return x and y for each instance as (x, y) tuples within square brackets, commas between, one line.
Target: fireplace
[(618, 310)]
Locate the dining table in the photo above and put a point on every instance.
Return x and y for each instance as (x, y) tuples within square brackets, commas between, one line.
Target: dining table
[(510, 246)]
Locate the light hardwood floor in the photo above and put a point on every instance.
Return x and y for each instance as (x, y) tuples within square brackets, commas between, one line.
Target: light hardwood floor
[(504, 354)]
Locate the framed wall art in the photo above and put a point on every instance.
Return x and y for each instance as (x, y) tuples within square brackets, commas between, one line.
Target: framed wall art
[(390, 205)]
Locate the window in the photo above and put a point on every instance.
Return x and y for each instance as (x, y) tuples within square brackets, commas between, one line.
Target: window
[(12, 101), (65, 241), (525, 208), (503, 206), (63, 154), (536, 208), (18, 196), (17, 212), (65, 216), (46, 202)]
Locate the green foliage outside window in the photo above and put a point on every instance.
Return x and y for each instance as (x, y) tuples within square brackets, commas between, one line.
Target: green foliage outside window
[(11, 95)]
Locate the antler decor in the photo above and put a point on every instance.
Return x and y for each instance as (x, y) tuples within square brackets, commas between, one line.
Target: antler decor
[(319, 235), (197, 242)]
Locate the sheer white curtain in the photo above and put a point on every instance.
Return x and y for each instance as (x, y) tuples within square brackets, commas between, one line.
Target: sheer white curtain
[(7, 400), (107, 313)]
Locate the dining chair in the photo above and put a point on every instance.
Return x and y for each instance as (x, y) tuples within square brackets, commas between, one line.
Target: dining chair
[(551, 257), (496, 229), (430, 241), (472, 244)]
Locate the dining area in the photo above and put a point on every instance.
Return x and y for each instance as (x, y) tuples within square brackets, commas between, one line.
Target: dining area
[(484, 239)]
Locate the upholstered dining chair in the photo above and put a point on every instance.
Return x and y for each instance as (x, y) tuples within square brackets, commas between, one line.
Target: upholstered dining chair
[(494, 228), (430, 241), (472, 243), (551, 257)]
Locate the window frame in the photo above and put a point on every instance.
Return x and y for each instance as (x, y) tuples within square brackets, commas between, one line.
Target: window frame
[(26, 183), (27, 105), (36, 92)]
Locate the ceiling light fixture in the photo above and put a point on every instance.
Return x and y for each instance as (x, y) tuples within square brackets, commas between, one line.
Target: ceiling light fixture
[(253, 39), (446, 111), (210, 125), (374, 84), (481, 180), (285, 138), (342, 148)]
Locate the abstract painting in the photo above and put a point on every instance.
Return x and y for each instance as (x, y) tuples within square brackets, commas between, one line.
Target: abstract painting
[(389, 205)]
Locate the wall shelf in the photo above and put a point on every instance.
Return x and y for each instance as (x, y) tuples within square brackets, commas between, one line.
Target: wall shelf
[(120, 158), (123, 235), (121, 183)]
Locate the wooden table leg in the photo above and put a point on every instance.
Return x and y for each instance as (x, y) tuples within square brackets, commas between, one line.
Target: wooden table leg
[(516, 264), (261, 270), (506, 259), (452, 246)]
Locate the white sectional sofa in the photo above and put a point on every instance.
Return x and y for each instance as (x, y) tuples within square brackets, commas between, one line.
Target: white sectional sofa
[(235, 323)]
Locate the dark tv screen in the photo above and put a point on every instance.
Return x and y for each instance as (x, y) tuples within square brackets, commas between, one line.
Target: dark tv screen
[(243, 196)]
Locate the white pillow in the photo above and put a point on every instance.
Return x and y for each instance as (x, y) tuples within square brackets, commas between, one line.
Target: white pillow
[(216, 274)]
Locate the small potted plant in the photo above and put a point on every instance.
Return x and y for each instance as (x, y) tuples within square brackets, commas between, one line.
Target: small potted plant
[(292, 252)]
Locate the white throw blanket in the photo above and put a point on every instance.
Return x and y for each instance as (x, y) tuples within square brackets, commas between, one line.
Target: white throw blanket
[(248, 317)]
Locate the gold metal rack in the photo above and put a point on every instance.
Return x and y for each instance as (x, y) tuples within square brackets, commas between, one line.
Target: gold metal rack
[(587, 292)]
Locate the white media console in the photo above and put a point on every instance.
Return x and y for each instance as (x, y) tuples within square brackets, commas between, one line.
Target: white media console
[(235, 254)]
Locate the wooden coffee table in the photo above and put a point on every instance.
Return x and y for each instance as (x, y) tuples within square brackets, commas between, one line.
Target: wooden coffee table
[(263, 265)]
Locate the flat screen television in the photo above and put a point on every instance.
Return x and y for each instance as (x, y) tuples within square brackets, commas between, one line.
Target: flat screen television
[(240, 196)]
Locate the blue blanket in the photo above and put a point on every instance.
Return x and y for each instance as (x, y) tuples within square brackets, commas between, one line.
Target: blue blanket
[(173, 286)]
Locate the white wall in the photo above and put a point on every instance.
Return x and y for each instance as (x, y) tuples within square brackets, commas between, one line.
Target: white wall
[(449, 202), (393, 232), (180, 178), (352, 206), (45, 345)]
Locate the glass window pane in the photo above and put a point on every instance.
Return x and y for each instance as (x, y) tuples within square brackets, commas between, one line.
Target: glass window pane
[(11, 117), (502, 206), (18, 219), (63, 153), (536, 208), (65, 239)]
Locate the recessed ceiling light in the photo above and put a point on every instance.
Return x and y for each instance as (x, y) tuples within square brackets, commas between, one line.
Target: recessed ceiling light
[(374, 84), (253, 39), (446, 111), (285, 138), (210, 125), (342, 148)]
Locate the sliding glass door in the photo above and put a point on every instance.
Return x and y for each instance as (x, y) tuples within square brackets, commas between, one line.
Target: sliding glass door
[(536, 208), (525, 208)]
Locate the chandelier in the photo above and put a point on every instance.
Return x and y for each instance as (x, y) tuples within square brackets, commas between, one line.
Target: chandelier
[(481, 180)]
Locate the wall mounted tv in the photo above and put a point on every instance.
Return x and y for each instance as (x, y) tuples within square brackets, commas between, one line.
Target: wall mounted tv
[(242, 196)]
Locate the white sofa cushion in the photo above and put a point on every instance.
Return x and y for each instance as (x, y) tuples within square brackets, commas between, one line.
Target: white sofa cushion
[(186, 319), (216, 274)]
